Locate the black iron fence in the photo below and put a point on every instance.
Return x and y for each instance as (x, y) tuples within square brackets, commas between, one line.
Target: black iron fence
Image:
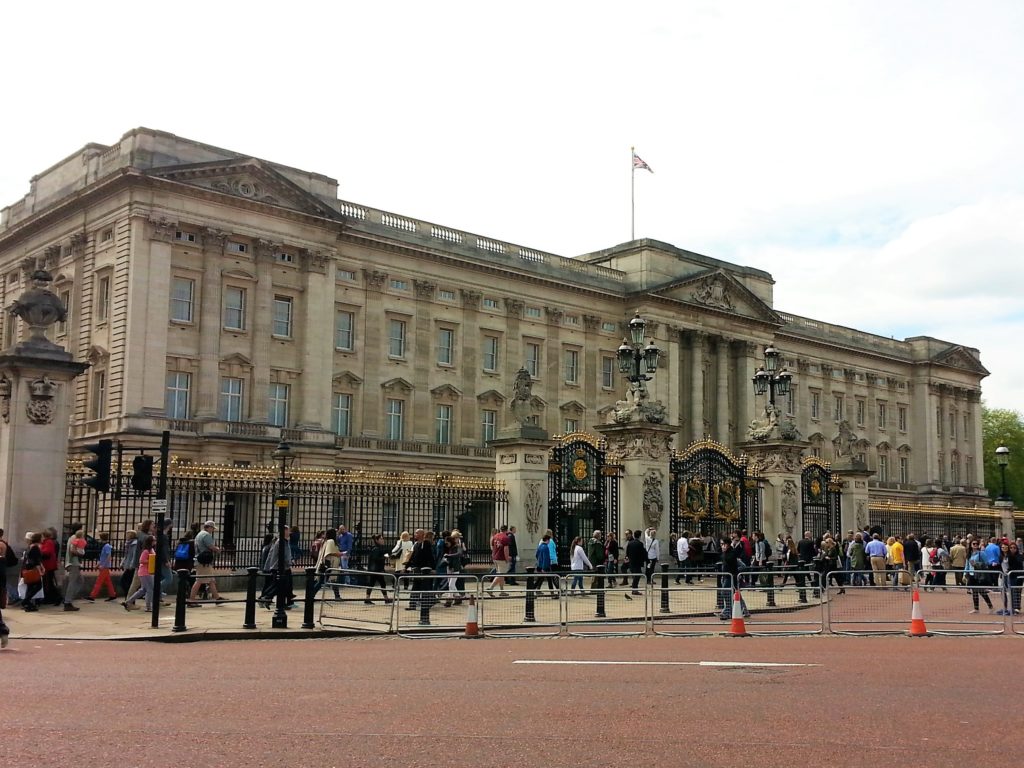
[(240, 502), (926, 520)]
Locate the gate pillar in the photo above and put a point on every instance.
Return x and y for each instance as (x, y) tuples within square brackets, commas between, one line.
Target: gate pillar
[(643, 449), (777, 465), (521, 463), (36, 399), (854, 475)]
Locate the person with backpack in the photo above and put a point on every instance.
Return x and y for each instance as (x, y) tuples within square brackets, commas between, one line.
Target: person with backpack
[(103, 577), (184, 558)]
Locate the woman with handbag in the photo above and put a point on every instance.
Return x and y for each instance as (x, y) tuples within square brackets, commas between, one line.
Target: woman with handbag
[(328, 558), (32, 571)]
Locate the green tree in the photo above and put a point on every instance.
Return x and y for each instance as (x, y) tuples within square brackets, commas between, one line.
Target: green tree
[(1001, 426)]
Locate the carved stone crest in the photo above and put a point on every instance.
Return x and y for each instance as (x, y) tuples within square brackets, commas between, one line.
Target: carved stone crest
[(789, 506), (776, 461), (533, 505), (5, 399), (654, 506), (40, 405), (639, 444), (522, 394), (713, 291), (861, 516)]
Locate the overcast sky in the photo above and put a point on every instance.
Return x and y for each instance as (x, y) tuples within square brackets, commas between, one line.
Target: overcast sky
[(867, 154)]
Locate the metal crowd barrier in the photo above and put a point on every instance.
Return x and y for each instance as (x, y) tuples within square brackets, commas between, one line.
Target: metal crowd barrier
[(793, 609), (605, 608), (693, 609), (357, 600), (866, 610), (532, 608), (1015, 588), (428, 606), (952, 609)]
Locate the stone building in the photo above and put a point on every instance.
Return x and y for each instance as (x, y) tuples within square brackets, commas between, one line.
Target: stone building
[(235, 301)]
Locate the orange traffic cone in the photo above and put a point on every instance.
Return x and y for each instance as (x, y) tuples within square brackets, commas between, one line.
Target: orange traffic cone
[(917, 627), (472, 628), (737, 628)]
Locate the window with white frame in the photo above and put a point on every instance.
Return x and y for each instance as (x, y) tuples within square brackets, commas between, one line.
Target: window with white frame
[(952, 426), (444, 294), (234, 247), (393, 419), (532, 312), (102, 298), (490, 303), (838, 401), (277, 411), (234, 308), (607, 372), (967, 418), (107, 235), (490, 353), (938, 422), (341, 414), (183, 292), (572, 366), (883, 414), (571, 425), (282, 316), (399, 285), (609, 327), (901, 415), (445, 346), (488, 425), (62, 325), (954, 469), (861, 412), (346, 274), (185, 237), (533, 359), (904, 470), (396, 338), (176, 397), (99, 395), (344, 330), (443, 424), (283, 257), (231, 390), (815, 405), (572, 319), (389, 518), (883, 468)]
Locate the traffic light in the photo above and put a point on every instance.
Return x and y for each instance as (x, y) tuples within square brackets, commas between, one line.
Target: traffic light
[(100, 465), (142, 473)]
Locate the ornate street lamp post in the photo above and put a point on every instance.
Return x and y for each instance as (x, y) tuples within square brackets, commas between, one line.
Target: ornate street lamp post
[(770, 379), (1003, 459), (637, 362), (283, 455)]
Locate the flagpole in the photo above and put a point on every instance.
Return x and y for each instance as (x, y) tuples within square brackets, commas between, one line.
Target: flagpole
[(632, 195)]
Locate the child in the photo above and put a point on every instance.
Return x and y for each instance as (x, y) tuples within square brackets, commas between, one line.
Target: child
[(147, 576), (103, 579)]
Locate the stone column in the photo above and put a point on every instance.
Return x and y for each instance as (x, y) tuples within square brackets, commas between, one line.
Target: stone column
[(210, 324), (374, 350), (470, 363), (777, 464), (317, 342), (643, 450), (262, 316), (723, 364), (36, 400), (423, 416), (551, 375), (697, 340), (521, 464), (853, 475)]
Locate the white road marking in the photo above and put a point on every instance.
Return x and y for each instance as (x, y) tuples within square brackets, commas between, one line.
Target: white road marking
[(665, 663)]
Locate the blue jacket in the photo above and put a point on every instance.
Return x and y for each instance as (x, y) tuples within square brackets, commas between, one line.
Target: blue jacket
[(345, 541), (553, 551), (543, 556)]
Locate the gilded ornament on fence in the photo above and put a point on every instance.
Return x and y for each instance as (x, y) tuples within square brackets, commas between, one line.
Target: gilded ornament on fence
[(695, 499), (727, 501)]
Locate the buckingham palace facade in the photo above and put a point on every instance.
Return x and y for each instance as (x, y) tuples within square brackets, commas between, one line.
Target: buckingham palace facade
[(235, 301)]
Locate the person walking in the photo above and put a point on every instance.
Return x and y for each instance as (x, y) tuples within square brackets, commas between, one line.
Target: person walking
[(543, 556), (957, 560), (763, 562), (32, 563), (51, 562), (976, 576), (579, 562), (73, 554), (731, 563), (147, 576), (859, 561), (206, 551), (513, 556), (683, 556), (596, 556), (636, 557), (500, 558), (103, 581), (129, 562), (328, 559), (653, 548), (877, 554), (611, 557), (375, 560)]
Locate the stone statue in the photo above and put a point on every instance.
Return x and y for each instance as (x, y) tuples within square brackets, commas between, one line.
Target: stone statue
[(637, 407), (39, 308), (844, 441), (522, 394), (773, 426), (789, 506), (653, 504)]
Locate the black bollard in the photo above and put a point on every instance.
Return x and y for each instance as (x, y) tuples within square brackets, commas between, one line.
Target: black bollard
[(531, 595), (425, 598), (598, 588), (664, 588), (179, 606), (307, 614), (250, 600)]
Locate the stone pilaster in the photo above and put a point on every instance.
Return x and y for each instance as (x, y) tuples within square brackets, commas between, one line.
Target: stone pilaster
[(521, 463), (777, 464), (853, 475)]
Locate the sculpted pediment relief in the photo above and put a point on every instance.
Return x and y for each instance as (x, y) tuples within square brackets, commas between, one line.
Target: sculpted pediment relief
[(717, 290), (236, 358), (347, 378), (446, 392), (958, 357), (251, 179), (572, 407), (490, 397), (397, 385)]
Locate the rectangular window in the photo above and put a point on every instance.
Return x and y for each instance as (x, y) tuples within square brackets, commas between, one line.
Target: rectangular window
[(443, 425), (344, 330), (533, 359), (234, 308), (967, 416), (490, 353), (341, 414), (183, 293), (103, 298), (572, 320), (791, 401), (99, 395), (488, 425), (490, 303), (882, 414), (571, 425), (176, 397), (282, 316), (883, 469), (185, 237), (237, 247), (572, 366), (816, 452), (62, 325), (904, 470), (399, 285), (396, 338), (283, 257), (815, 405), (107, 236), (942, 469), (954, 471), (277, 413), (938, 422), (609, 327), (532, 311), (901, 415), (393, 419), (446, 295), (837, 407), (230, 399), (861, 412), (445, 346), (607, 372), (346, 274), (952, 426)]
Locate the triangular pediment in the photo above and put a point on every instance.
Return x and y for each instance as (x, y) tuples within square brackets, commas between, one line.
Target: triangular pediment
[(347, 378), (250, 179), (446, 392), (717, 290), (491, 396), (96, 354), (396, 385), (236, 358), (573, 406), (958, 357)]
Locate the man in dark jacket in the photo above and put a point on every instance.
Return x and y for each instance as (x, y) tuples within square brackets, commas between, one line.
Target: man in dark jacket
[(731, 563), (513, 555), (912, 553), (636, 555), (596, 556)]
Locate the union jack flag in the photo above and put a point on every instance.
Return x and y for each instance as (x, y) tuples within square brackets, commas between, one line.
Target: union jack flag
[(639, 163)]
